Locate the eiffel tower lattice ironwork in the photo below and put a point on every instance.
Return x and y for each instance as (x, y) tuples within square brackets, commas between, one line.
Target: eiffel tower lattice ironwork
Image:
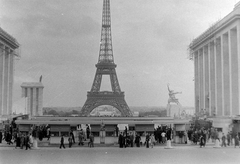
[(106, 66)]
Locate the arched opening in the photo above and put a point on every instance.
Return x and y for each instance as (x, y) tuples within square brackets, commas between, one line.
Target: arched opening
[(105, 110)]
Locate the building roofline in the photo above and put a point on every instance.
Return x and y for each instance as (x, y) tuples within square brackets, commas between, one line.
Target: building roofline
[(210, 32), (9, 39)]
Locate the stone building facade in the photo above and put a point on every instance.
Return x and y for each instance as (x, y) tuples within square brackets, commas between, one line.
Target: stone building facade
[(216, 56), (33, 92), (8, 51)]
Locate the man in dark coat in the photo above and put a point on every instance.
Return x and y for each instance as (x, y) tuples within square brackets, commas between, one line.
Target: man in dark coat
[(120, 140), (131, 139), (72, 136), (1, 136), (27, 142), (137, 140), (147, 140), (88, 131), (62, 142), (169, 133)]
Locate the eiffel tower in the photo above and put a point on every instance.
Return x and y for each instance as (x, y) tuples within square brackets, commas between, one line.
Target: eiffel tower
[(106, 66)]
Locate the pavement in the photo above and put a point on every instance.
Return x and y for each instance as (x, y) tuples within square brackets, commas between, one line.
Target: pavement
[(100, 154)]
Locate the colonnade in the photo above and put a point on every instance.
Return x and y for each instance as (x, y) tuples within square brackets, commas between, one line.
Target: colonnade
[(6, 78), (33, 92), (217, 73)]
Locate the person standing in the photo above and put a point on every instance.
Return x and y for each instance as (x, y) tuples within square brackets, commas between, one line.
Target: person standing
[(1, 136), (70, 140), (72, 136), (147, 140), (88, 131), (228, 139), (80, 137), (236, 141), (131, 139), (163, 137), (27, 142), (18, 140), (152, 140), (137, 140), (91, 137), (120, 140), (223, 140), (117, 130), (62, 142), (202, 142)]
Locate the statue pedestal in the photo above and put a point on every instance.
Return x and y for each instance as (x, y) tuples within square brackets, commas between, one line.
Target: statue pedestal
[(168, 145), (217, 144), (35, 144)]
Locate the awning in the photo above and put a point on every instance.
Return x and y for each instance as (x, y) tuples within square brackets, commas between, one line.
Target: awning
[(143, 128), (95, 128), (110, 128), (57, 128), (24, 128)]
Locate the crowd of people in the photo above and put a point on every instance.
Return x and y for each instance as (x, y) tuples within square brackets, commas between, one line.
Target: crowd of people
[(160, 136), (201, 136)]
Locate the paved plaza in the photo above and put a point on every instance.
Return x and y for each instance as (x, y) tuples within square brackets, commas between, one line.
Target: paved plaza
[(190, 154)]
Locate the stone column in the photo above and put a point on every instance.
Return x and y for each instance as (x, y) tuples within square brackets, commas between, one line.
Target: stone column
[(230, 73), (40, 101), (29, 110), (10, 88), (219, 76), (6, 82), (212, 78), (201, 79), (206, 77), (238, 52), (226, 75), (234, 71), (196, 80), (2, 59), (34, 102)]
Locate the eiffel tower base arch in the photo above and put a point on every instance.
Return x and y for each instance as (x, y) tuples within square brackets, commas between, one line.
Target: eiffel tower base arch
[(105, 98)]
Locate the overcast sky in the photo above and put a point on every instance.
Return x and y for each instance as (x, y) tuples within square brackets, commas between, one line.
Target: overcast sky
[(60, 40)]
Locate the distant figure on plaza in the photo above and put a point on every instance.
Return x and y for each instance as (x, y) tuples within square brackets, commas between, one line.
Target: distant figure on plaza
[(172, 97), (1, 136), (117, 130), (169, 133), (121, 140), (80, 137), (223, 140), (72, 136), (91, 143), (126, 130), (88, 131), (236, 141), (202, 142), (137, 140), (147, 140), (152, 140), (62, 143), (70, 141), (131, 137), (27, 142)]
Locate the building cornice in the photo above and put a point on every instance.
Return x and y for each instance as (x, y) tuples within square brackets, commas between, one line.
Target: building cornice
[(210, 32), (8, 39)]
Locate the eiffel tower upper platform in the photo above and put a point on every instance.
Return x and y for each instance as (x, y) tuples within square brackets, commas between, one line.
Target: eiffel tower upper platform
[(106, 66)]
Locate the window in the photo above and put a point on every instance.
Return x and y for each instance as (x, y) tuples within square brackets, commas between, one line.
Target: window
[(109, 134), (55, 134), (65, 134), (95, 134)]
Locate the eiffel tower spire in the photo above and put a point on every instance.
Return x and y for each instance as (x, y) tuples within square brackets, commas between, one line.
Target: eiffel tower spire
[(106, 66), (106, 52)]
